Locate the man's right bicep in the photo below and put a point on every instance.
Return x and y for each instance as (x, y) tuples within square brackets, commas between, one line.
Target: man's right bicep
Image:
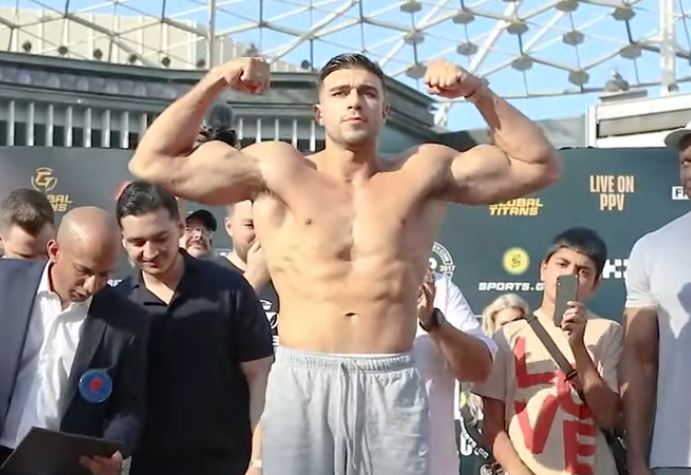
[(217, 174)]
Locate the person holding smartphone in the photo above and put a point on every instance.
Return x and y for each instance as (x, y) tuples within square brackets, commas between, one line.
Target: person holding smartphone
[(535, 420)]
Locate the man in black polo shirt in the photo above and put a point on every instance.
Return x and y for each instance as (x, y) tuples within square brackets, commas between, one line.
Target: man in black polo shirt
[(247, 258), (210, 350)]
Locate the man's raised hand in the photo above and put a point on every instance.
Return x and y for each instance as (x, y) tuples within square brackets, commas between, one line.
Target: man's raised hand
[(449, 80), (250, 75)]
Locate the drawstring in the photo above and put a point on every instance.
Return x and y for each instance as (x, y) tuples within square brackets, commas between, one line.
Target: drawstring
[(351, 379), (345, 393)]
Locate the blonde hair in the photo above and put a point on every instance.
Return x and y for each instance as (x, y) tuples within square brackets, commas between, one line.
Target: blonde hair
[(501, 303)]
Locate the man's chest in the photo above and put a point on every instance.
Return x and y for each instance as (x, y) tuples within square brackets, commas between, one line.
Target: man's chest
[(670, 284), (532, 366), (54, 333), (194, 326), (350, 223)]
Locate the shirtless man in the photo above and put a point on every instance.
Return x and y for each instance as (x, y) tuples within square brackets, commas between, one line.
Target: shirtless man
[(346, 236)]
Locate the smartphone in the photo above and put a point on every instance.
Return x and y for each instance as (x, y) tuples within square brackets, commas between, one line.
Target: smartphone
[(567, 291)]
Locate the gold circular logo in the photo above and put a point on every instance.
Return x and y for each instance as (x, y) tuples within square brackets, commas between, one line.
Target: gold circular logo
[(44, 180), (516, 261)]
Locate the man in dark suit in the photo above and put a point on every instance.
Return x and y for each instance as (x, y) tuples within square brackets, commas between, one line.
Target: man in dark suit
[(73, 349)]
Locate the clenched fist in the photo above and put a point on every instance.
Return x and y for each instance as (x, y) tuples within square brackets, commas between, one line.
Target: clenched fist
[(249, 75), (449, 80)]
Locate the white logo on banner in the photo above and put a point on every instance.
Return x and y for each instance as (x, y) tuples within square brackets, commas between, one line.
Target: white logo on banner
[(441, 261), (614, 268), (678, 193)]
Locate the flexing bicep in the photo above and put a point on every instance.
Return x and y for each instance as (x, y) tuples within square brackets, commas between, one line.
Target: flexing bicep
[(216, 173), (485, 175)]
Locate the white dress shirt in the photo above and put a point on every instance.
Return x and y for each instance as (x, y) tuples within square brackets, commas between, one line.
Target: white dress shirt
[(44, 368), (440, 382)]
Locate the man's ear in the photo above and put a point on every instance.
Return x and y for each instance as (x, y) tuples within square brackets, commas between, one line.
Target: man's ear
[(543, 267), (318, 118), (53, 250)]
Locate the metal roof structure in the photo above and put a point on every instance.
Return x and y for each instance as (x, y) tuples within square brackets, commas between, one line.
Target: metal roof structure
[(526, 48)]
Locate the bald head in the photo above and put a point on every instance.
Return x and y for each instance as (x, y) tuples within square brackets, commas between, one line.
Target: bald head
[(90, 228), (85, 253)]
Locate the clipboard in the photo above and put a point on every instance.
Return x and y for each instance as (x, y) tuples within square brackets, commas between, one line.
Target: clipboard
[(47, 452)]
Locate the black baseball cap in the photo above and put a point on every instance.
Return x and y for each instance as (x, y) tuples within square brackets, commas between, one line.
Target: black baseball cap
[(205, 216)]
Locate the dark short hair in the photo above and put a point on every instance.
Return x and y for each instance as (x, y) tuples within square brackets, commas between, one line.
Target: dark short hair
[(139, 198), (350, 61), (218, 125), (584, 241), (29, 209)]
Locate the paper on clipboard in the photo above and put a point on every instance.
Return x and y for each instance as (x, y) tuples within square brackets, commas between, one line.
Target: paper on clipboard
[(47, 452)]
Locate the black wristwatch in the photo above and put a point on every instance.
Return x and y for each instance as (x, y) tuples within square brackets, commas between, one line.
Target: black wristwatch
[(434, 322)]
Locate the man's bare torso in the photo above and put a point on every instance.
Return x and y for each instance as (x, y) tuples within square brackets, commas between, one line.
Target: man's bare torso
[(347, 259)]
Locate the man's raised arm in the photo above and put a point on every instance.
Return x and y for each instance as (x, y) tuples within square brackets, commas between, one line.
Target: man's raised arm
[(213, 173), (520, 161)]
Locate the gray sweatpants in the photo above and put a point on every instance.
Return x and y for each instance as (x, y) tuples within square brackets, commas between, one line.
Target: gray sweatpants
[(672, 471), (344, 415)]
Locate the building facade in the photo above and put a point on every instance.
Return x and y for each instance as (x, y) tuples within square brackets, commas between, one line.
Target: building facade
[(52, 101), (635, 120)]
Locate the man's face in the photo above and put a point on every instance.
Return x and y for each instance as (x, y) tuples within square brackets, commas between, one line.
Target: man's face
[(152, 240), (351, 106), (82, 268), (568, 261), (685, 164), (19, 244), (196, 238), (240, 228)]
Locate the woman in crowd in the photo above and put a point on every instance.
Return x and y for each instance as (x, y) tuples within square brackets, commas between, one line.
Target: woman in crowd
[(477, 459)]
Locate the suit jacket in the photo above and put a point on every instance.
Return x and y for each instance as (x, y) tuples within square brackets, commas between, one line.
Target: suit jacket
[(114, 339)]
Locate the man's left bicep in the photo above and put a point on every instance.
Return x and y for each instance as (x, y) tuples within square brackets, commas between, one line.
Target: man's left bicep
[(486, 175)]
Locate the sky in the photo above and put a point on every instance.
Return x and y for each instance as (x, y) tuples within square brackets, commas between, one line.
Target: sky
[(438, 36)]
